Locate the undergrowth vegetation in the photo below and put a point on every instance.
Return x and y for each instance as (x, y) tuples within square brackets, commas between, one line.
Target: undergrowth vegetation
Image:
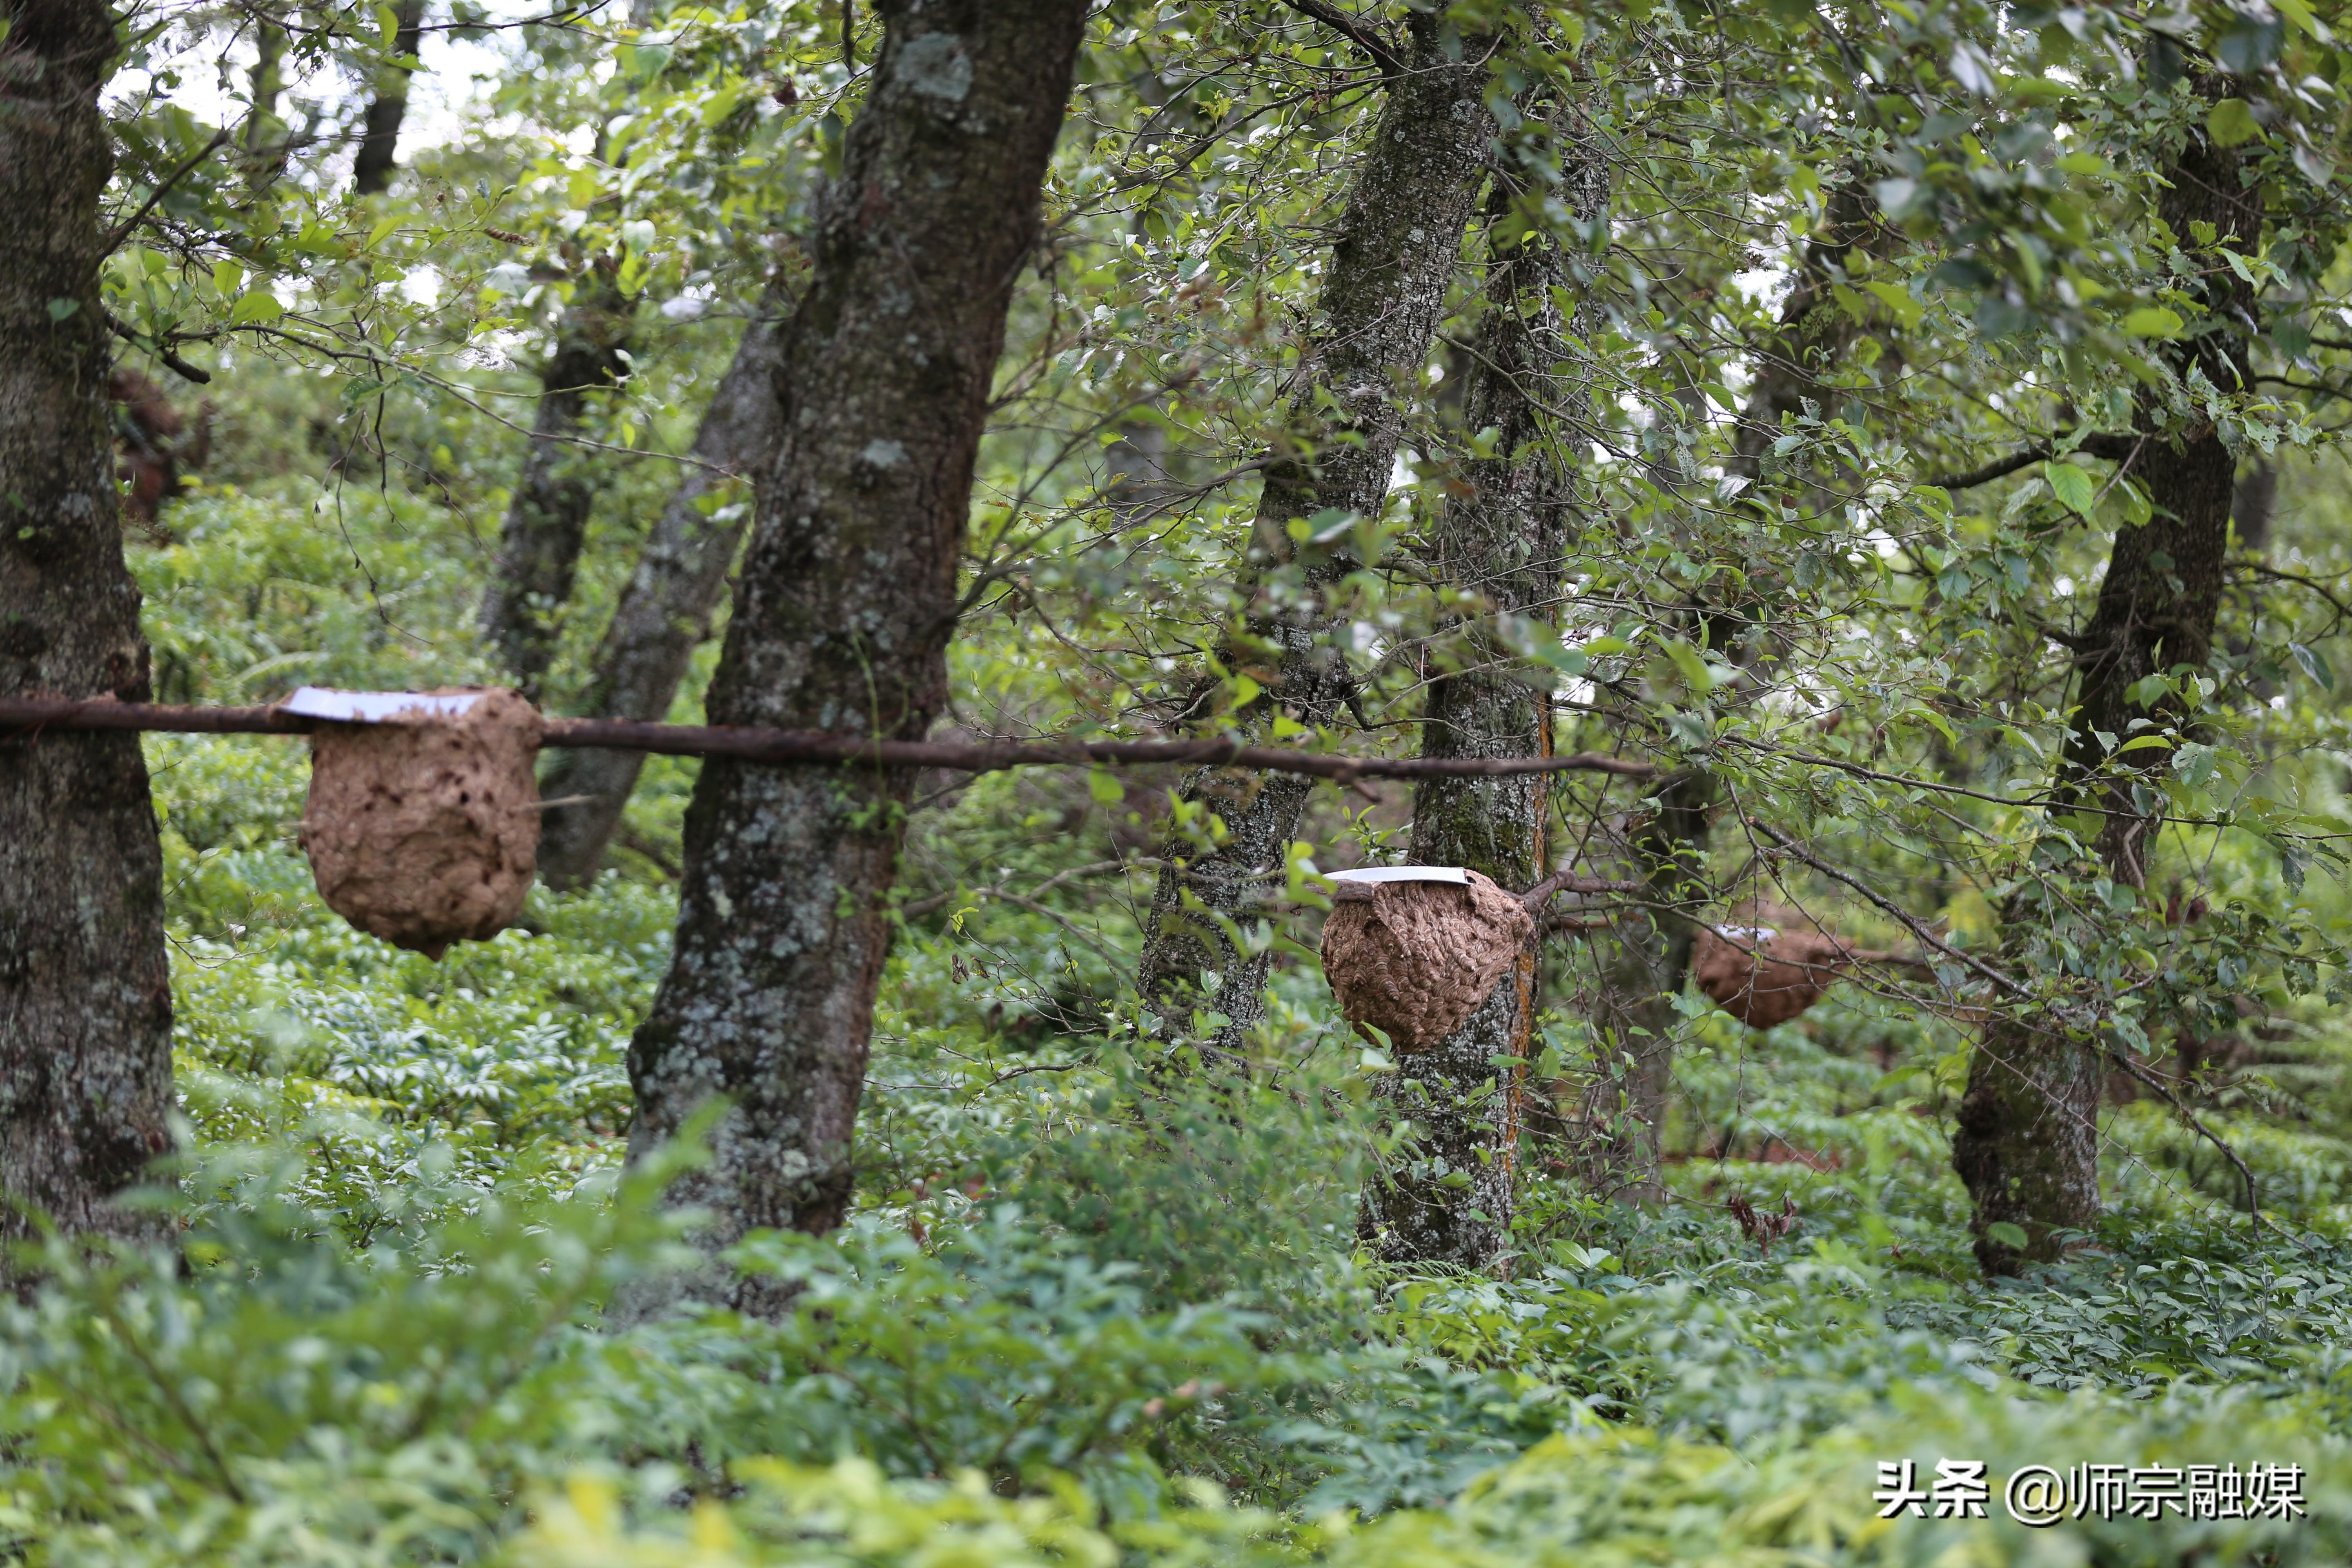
[(1100, 1299), (1090, 1311)]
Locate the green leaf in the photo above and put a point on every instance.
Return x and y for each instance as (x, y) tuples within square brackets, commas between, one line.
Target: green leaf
[(1104, 788), (228, 277), (2313, 665), (2009, 1235), (2153, 322), (60, 309), (260, 305), (1897, 298), (2076, 490), (1691, 665), (2231, 123)]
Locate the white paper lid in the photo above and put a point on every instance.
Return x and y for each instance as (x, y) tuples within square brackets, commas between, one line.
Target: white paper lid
[(1405, 874), (376, 707)]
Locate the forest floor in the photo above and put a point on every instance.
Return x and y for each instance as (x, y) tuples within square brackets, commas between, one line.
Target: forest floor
[(1084, 1313)]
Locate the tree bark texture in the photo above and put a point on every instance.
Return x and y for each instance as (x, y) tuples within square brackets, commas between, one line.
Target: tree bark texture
[(2027, 1139), (85, 995), (664, 610), (845, 606), (1621, 1123), (264, 142), (547, 516), (380, 126), (1399, 244), (1814, 333), (1449, 1197)]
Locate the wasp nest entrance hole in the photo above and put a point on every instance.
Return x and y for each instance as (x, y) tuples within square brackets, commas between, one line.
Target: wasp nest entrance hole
[(1771, 968), (1415, 959), (424, 829)]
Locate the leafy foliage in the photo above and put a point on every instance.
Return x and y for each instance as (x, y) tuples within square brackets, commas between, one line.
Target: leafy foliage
[(1102, 1303)]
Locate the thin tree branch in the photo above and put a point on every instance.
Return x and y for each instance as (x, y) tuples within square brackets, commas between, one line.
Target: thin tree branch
[(2109, 448), (1355, 32), (122, 231), (172, 362), (781, 746), (1917, 927), (2254, 1193)]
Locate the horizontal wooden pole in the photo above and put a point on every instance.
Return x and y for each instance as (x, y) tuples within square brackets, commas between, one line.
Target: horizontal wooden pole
[(758, 745)]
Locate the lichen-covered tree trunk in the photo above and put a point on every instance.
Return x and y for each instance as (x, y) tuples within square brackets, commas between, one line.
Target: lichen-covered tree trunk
[(666, 608), (547, 516), (380, 126), (1621, 1123), (85, 996), (2027, 1141), (264, 133), (845, 601), (1400, 241), (1447, 1196)]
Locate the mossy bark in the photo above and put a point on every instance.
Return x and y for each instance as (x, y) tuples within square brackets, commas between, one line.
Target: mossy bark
[(845, 606), (667, 606), (547, 516), (1619, 1127), (85, 993), (380, 125), (1448, 1197), (2027, 1138), (1399, 244)]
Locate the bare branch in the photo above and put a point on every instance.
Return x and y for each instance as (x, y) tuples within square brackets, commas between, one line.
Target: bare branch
[(761, 745), (1355, 32)]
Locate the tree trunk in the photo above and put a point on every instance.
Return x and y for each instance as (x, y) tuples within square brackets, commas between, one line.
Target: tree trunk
[(547, 518), (85, 995), (1815, 332), (379, 129), (846, 604), (2027, 1140), (664, 611), (1399, 244), (1621, 1120), (264, 142), (1449, 1197)]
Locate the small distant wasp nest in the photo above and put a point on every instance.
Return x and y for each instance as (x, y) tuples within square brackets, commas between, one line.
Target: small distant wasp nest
[(423, 829), (1768, 972), (1415, 959)]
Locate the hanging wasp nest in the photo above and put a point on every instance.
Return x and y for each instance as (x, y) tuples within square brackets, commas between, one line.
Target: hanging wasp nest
[(1768, 969), (424, 829), (1415, 959)]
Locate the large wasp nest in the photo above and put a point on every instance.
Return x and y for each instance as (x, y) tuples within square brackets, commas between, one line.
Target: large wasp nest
[(423, 828), (1768, 971), (1415, 959)]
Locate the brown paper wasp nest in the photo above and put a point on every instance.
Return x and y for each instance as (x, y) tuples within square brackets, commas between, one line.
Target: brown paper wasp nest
[(423, 819), (1770, 970), (1416, 958)]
